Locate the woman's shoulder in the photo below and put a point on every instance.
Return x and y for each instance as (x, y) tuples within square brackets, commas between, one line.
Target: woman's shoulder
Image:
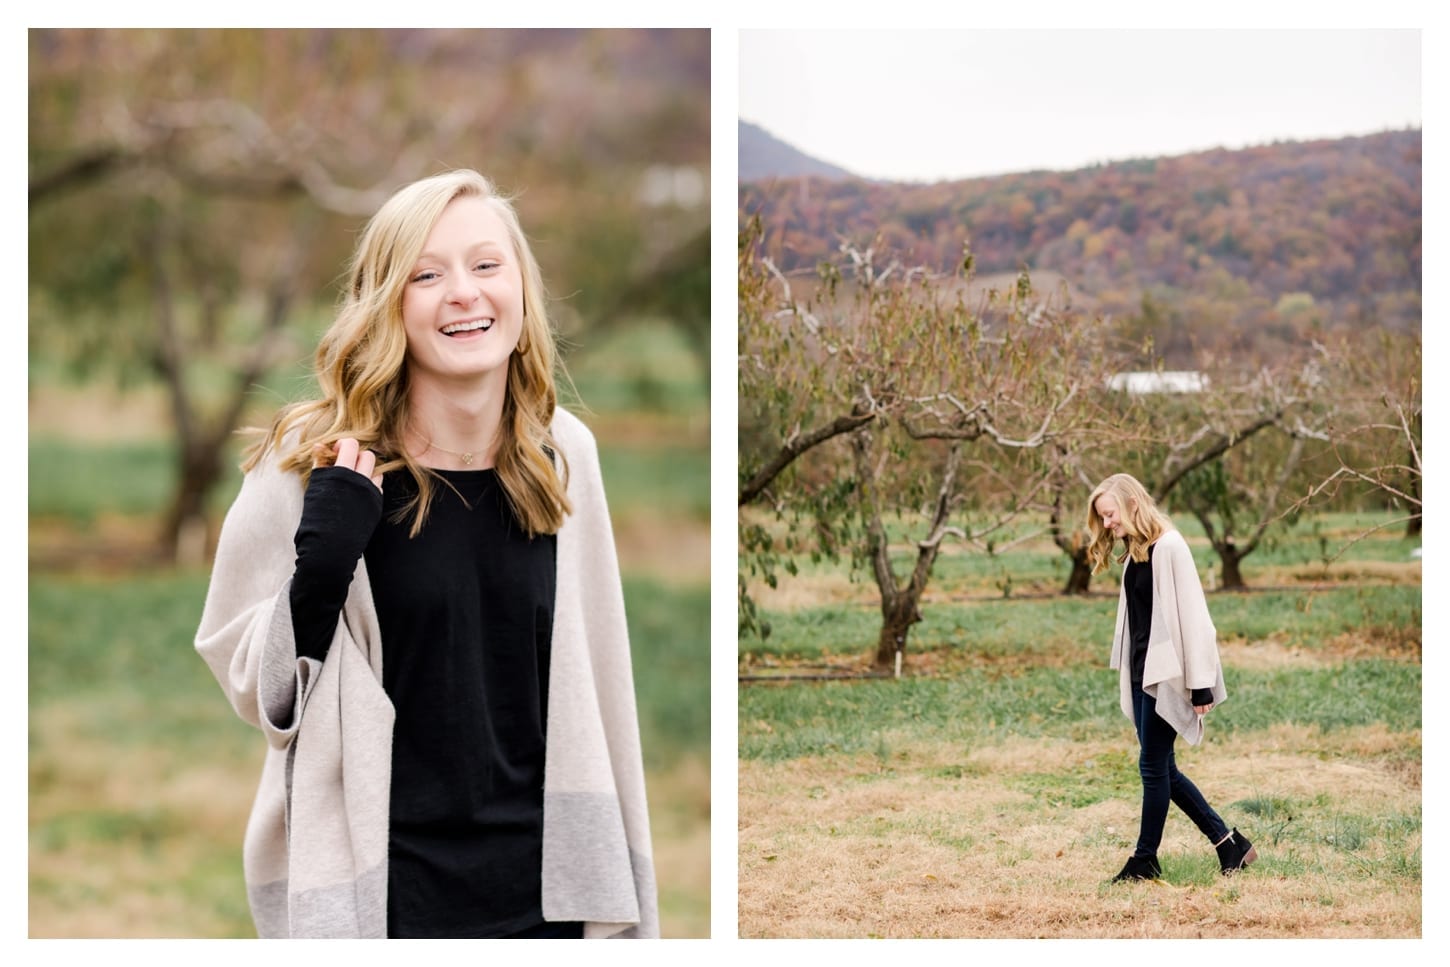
[(1172, 544), (270, 447), (270, 465), (570, 433), (1171, 537)]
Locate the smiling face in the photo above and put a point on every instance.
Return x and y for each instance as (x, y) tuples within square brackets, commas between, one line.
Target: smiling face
[(1110, 514), (463, 305)]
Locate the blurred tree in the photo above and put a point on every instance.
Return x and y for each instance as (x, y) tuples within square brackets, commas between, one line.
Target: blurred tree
[(676, 288), (193, 193)]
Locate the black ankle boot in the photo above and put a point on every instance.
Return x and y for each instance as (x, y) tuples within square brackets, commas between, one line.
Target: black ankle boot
[(1140, 868), (1235, 853)]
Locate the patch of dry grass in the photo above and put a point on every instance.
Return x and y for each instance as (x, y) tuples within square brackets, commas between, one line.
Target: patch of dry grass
[(939, 841), (131, 842), (97, 412), (1351, 572), (671, 551)]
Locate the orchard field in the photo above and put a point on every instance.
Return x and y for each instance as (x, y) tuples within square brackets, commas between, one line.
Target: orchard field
[(992, 791)]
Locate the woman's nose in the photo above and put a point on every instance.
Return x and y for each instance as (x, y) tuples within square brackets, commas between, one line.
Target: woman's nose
[(463, 292)]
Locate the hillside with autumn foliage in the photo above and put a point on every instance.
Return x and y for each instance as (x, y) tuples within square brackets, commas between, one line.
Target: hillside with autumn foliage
[(1244, 251)]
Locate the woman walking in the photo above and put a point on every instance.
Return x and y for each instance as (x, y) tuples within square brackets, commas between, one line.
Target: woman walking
[(416, 600), (1166, 650)]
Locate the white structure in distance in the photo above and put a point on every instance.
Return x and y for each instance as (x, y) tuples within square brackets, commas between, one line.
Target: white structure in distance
[(1151, 381)]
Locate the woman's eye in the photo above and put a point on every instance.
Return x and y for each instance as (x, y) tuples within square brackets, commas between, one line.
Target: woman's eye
[(483, 266), (425, 276)]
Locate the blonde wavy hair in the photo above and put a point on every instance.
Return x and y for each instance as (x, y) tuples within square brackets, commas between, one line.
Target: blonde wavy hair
[(362, 372), (1143, 522)]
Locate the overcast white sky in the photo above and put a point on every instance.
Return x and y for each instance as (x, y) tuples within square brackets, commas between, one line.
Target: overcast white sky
[(932, 104)]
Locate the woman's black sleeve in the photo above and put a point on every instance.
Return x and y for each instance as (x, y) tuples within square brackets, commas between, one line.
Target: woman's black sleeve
[(1203, 696), (340, 510)]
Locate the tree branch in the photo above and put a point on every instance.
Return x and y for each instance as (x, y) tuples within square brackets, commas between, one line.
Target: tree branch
[(798, 445), (1226, 441), (78, 171), (151, 141), (926, 551)]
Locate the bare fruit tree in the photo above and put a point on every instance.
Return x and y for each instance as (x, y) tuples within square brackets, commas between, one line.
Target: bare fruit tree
[(946, 404)]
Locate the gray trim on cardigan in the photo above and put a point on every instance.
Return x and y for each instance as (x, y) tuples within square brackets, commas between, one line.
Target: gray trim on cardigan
[(316, 848)]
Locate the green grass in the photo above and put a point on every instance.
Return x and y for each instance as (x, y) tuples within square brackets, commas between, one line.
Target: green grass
[(80, 481), (1298, 830), (669, 631), (780, 721), (790, 721), (645, 367), (95, 634), (1050, 627), (1306, 618), (987, 628), (119, 655), (1076, 786), (121, 651), (657, 480), (1326, 674), (1340, 696), (1036, 565)]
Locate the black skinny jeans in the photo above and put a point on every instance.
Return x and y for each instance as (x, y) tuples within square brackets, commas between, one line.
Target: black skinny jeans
[(1163, 783)]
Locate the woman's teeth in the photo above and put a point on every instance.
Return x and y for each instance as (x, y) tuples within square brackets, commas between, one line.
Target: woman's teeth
[(467, 326)]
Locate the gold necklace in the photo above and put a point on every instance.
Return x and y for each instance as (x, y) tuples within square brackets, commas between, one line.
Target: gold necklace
[(466, 457)]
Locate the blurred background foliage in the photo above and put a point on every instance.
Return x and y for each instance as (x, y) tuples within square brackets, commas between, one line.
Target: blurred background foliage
[(193, 198)]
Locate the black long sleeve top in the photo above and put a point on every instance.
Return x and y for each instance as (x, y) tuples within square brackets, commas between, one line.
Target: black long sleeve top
[(465, 612)]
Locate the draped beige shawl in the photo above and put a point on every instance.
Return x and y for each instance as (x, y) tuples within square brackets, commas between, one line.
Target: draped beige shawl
[(316, 848), (1182, 641)]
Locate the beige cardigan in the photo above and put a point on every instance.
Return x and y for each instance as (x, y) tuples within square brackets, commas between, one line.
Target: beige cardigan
[(316, 848), (1182, 642)]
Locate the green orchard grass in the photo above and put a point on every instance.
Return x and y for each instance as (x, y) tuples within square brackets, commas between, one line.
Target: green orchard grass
[(1024, 562), (661, 480), (782, 722), (119, 653), (1081, 628)]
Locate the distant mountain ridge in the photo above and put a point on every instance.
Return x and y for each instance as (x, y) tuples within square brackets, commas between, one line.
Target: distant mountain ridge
[(763, 155), (1247, 246)]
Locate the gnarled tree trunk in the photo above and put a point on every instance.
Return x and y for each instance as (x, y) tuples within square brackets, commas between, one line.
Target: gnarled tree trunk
[(900, 603)]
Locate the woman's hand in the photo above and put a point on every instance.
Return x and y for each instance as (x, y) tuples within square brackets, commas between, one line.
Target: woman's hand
[(1202, 709), (347, 454)]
